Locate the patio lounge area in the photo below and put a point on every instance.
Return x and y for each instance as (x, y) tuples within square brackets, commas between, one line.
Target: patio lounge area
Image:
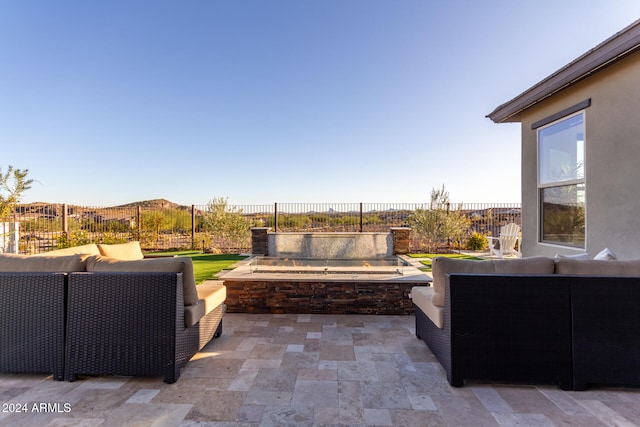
[(304, 369)]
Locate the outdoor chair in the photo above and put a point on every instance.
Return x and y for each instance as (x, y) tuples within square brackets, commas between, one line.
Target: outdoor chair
[(506, 243)]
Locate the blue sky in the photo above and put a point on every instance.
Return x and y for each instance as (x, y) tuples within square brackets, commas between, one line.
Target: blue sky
[(262, 101)]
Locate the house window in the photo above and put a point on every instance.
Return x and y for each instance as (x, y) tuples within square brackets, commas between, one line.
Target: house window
[(561, 181)]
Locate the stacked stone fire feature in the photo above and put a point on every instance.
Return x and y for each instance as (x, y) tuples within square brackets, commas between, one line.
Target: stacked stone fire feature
[(250, 292)]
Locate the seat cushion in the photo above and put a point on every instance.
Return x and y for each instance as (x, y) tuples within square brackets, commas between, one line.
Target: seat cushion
[(15, 263), (182, 265), (596, 267), (443, 266), (422, 297), (211, 294), (123, 251)]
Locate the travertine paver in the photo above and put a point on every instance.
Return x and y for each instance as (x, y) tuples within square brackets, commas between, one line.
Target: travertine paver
[(307, 369)]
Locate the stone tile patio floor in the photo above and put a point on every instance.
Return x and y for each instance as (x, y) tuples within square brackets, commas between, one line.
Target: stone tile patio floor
[(303, 370)]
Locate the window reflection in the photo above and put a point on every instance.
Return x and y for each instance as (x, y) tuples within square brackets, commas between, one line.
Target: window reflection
[(561, 151), (563, 215)]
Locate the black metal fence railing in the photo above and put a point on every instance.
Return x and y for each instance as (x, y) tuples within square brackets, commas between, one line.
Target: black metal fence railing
[(226, 228)]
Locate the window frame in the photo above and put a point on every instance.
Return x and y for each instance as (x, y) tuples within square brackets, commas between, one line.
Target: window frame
[(560, 183)]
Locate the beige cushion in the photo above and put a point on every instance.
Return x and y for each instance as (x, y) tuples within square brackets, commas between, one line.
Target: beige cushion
[(42, 264), (443, 266), (123, 251), (422, 297), (210, 295), (91, 249), (182, 265), (193, 314), (598, 267)]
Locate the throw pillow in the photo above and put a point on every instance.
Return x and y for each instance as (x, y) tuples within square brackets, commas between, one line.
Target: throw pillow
[(606, 254), (123, 251), (91, 249)]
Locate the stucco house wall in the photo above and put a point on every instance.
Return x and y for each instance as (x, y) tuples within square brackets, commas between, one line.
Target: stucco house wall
[(603, 83), (612, 161)]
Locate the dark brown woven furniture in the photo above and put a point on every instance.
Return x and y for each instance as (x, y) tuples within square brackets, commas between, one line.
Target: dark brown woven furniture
[(606, 337), (32, 323), (132, 324), (506, 328)]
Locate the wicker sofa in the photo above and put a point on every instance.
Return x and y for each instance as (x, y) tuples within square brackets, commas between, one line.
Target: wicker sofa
[(81, 314), (32, 321), (605, 301), (565, 322)]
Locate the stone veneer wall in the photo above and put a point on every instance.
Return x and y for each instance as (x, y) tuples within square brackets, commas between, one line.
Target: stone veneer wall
[(260, 240), (401, 240), (329, 297), (400, 237)]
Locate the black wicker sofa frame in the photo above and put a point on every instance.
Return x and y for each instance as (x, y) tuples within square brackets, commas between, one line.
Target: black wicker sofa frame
[(132, 324), (571, 331), (32, 323), (71, 324), (606, 340)]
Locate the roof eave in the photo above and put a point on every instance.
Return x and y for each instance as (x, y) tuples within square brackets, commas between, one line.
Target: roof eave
[(606, 53)]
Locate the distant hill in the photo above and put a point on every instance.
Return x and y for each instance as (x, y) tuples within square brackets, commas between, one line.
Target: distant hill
[(155, 203), (53, 208)]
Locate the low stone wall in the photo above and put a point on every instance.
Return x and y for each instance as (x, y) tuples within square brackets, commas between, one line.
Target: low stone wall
[(330, 297), (330, 245)]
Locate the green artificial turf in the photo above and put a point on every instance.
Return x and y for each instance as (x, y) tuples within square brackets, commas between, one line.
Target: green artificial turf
[(427, 262), (207, 266)]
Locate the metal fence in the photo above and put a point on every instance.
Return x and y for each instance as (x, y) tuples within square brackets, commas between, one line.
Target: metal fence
[(226, 228)]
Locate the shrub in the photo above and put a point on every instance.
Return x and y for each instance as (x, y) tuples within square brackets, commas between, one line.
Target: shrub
[(77, 238), (226, 224), (477, 242), (438, 223)]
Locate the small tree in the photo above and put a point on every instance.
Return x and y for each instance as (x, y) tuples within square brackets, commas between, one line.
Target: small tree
[(438, 223), (12, 185), (227, 224), (150, 225)]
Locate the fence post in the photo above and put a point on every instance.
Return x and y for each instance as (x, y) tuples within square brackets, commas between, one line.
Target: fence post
[(193, 226), (65, 219), (361, 217), (138, 222), (275, 217), (448, 238)]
